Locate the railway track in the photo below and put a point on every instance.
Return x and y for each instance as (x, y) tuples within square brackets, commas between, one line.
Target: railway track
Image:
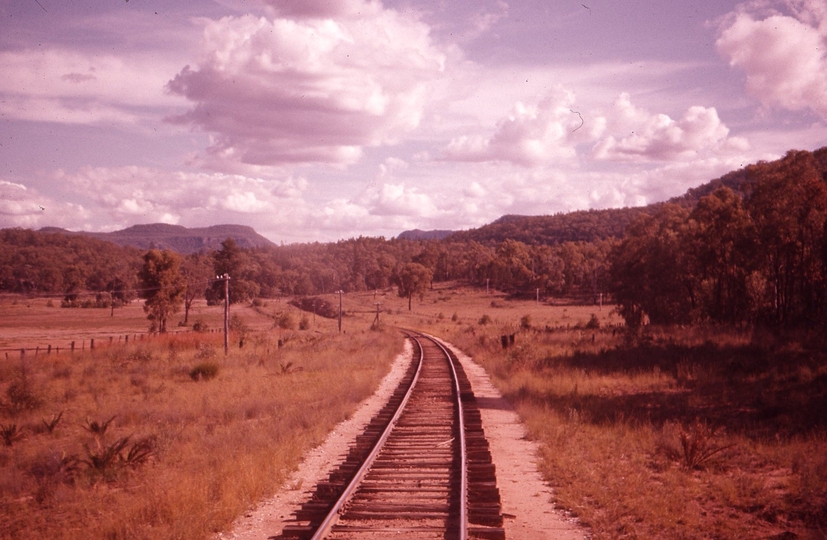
[(421, 468)]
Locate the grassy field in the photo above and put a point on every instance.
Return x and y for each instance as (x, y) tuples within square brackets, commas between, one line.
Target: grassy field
[(166, 437), (679, 434), (694, 433)]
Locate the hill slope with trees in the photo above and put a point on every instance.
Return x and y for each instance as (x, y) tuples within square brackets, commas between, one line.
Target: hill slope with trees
[(750, 246), (176, 237)]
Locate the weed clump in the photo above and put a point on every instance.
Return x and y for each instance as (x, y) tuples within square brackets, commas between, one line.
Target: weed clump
[(22, 395), (694, 446), (204, 371)]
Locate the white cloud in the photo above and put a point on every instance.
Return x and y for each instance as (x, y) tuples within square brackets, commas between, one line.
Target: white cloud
[(25, 207), (292, 90), (637, 135), (531, 135), (553, 131), (122, 196), (783, 56)]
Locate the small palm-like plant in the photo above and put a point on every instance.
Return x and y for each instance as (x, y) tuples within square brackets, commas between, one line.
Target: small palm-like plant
[(98, 429), (696, 445), (105, 457), (140, 451), (10, 433), (52, 424)]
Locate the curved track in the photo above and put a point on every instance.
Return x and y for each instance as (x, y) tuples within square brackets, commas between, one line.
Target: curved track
[(420, 470)]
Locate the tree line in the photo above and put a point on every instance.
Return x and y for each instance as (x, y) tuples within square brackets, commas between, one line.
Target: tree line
[(750, 247), (757, 255)]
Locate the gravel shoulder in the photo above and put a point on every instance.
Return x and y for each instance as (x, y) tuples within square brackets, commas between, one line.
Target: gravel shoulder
[(526, 499)]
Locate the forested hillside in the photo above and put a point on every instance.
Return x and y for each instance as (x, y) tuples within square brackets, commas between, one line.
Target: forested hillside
[(580, 226), (55, 263), (750, 246), (176, 237), (758, 254)]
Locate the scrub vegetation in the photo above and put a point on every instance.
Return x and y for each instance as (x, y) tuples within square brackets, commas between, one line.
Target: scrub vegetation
[(166, 437)]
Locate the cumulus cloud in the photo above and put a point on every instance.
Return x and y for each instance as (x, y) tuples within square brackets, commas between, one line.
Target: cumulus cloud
[(784, 56), (648, 136), (21, 206), (552, 132), (128, 195), (304, 88), (531, 135)]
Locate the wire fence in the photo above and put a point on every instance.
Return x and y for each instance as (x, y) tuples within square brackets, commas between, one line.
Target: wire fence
[(92, 344)]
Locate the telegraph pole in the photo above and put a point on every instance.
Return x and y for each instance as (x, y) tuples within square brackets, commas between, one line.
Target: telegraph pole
[(340, 309), (226, 278)]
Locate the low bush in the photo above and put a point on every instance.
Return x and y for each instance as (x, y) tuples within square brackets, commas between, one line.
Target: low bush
[(204, 371)]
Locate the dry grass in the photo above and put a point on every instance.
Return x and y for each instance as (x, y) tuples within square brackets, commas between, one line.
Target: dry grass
[(690, 434), (123, 442), (696, 433)]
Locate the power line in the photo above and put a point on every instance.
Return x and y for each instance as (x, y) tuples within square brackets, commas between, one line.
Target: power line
[(208, 282)]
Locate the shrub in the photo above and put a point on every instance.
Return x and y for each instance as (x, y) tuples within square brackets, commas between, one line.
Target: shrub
[(200, 326), (594, 322), (204, 371), (22, 395), (285, 320), (485, 319)]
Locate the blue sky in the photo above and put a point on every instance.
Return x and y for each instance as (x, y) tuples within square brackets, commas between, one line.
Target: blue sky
[(316, 120)]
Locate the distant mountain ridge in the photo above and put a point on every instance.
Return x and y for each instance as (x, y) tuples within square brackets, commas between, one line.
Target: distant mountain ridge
[(596, 225), (176, 237), (418, 234)]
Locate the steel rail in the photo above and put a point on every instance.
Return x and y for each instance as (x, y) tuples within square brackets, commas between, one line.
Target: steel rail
[(333, 515), (463, 498)]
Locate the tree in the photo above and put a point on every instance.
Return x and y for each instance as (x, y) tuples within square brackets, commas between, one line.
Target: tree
[(649, 271), (162, 285), (721, 246), (788, 204), (198, 273), (412, 278), (234, 261)]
